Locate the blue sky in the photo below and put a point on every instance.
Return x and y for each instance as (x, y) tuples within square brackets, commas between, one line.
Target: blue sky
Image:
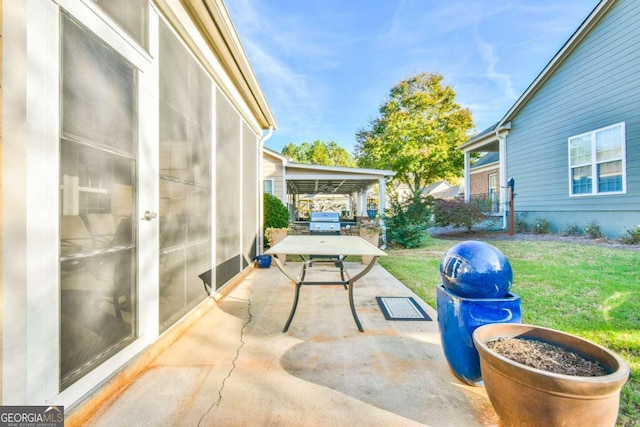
[(326, 66)]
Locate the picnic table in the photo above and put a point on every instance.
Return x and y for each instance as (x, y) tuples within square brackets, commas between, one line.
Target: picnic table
[(325, 249)]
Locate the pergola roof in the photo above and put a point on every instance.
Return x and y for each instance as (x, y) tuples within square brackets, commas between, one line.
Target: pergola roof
[(316, 179)]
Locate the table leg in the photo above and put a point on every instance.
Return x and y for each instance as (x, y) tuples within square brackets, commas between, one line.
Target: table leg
[(293, 308), (299, 282), (350, 285), (353, 307), (342, 272)]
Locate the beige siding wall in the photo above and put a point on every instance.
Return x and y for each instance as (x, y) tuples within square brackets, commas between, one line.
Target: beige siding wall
[(272, 168)]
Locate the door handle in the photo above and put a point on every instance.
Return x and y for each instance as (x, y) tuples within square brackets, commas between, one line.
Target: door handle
[(148, 216)]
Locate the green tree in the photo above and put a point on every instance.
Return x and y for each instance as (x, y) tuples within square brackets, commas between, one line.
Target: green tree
[(416, 133), (276, 214), (407, 220), (319, 153)]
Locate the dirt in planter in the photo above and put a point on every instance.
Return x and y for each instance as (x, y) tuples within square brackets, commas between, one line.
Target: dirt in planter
[(546, 357)]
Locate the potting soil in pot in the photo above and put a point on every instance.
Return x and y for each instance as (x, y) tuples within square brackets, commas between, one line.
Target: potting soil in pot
[(546, 357)]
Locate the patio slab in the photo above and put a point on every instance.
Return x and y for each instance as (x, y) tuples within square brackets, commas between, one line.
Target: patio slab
[(234, 366)]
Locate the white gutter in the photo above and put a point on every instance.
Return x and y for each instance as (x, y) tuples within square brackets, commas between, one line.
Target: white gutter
[(502, 165), (265, 138)]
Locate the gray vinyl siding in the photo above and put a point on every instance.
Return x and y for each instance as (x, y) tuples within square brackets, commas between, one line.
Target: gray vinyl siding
[(596, 86)]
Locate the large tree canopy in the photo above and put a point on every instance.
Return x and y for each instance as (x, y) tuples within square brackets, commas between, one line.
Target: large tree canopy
[(319, 153), (416, 133)]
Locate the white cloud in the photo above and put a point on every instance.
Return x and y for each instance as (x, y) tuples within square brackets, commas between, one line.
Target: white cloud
[(502, 80)]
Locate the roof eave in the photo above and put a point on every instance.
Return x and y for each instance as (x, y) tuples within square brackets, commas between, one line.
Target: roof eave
[(486, 137), (213, 22), (559, 58), (275, 154)]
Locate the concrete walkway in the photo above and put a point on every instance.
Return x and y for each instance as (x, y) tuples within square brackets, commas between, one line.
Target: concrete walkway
[(234, 366)]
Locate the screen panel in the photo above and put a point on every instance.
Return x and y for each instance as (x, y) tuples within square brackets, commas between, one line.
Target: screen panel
[(228, 189)]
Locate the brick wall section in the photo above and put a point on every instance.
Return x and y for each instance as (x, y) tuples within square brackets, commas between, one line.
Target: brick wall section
[(480, 182)]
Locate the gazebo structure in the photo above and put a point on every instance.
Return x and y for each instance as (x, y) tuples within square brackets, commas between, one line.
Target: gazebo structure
[(299, 185)]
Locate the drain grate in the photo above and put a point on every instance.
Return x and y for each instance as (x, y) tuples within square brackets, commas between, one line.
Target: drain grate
[(401, 308)]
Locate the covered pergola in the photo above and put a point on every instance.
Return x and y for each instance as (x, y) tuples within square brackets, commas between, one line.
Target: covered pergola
[(303, 180)]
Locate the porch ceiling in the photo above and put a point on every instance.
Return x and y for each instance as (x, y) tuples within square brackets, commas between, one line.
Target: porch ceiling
[(329, 185)]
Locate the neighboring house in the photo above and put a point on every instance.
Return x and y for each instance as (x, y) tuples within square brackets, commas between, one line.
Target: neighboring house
[(273, 174), (484, 179), (571, 142), (442, 190), (438, 190), (131, 136), (303, 186)]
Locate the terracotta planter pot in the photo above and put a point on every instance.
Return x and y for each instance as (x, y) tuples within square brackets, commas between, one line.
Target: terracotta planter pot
[(524, 396)]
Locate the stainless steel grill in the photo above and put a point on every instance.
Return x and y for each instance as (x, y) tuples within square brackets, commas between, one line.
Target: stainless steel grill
[(324, 223)]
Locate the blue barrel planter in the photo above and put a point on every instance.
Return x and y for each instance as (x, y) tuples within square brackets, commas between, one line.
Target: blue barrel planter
[(263, 261), (458, 317)]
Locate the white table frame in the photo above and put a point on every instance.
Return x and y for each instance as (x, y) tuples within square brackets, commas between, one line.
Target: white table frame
[(324, 249)]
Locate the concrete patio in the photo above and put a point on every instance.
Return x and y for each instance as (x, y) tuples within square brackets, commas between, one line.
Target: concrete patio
[(235, 367)]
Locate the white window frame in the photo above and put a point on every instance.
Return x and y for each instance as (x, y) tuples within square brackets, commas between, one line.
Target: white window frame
[(273, 189), (494, 196), (495, 187), (594, 162)]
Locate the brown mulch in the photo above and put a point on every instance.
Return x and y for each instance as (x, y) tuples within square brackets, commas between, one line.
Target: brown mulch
[(546, 357)]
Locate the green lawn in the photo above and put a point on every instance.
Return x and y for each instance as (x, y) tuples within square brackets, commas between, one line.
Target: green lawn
[(588, 290)]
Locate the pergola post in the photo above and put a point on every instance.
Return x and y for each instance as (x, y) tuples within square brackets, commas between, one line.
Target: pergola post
[(362, 203), (382, 190)]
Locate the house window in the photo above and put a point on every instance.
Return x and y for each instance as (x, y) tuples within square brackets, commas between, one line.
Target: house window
[(494, 195), (267, 185), (597, 161)]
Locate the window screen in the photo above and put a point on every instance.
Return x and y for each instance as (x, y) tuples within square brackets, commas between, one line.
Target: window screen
[(97, 181), (228, 190), (131, 15), (185, 178)]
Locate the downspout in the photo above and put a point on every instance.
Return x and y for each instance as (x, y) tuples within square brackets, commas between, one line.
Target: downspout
[(502, 164), (260, 240), (467, 176)]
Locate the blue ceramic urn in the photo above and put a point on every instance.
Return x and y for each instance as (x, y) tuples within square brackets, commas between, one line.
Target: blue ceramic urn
[(476, 269), (458, 317)]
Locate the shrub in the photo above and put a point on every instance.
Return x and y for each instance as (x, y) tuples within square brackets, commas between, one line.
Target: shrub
[(593, 230), (276, 214), (457, 213), (406, 221), (542, 226), (571, 230), (632, 237), (521, 224)]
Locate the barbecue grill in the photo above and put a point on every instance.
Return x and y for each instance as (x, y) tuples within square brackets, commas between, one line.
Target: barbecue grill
[(324, 223)]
